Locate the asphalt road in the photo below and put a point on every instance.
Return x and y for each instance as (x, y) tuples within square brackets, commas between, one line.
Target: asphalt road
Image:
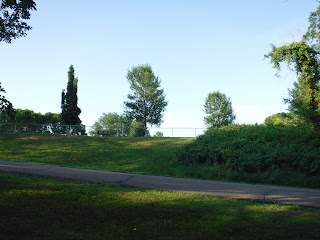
[(264, 193)]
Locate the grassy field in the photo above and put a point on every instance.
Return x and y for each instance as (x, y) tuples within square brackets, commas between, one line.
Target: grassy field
[(135, 155), (152, 156), (43, 208)]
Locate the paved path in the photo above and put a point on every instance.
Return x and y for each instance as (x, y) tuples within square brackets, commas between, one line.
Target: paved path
[(265, 193)]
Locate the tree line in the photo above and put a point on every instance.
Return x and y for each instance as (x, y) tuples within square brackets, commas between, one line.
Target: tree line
[(67, 122), (146, 105)]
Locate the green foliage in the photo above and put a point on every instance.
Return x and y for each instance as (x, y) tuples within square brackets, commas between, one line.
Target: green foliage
[(3, 100), (29, 116), (28, 122), (7, 112), (219, 110), (147, 103), (313, 34), (12, 14), (69, 101), (118, 125), (304, 98), (158, 134), (284, 119), (138, 130), (256, 149)]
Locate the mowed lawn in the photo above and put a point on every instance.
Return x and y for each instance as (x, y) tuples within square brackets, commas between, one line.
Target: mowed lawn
[(42, 208), (135, 155)]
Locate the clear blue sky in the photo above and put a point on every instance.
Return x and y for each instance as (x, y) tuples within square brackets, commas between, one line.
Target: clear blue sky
[(194, 47)]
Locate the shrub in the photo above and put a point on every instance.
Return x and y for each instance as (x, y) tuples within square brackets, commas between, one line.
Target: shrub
[(256, 148), (284, 119), (158, 134)]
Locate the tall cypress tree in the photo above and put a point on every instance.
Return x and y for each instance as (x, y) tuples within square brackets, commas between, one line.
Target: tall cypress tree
[(69, 101)]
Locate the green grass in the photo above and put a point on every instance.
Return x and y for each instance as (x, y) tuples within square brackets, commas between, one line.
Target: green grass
[(151, 156), (43, 208), (135, 155)]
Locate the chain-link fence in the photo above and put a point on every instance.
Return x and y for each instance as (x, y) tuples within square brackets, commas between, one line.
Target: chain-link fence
[(78, 130), (177, 132), (30, 128)]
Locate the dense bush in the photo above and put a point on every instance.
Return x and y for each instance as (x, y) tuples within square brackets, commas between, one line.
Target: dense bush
[(285, 119), (256, 148)]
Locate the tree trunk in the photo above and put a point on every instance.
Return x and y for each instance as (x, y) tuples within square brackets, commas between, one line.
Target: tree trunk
[(145, 127)]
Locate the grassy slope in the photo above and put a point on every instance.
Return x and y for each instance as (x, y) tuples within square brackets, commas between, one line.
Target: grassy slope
[(42, 208), (152, 156), (134, 155)]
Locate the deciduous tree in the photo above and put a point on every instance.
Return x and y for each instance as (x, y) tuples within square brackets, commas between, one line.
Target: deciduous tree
[(118, 125), (312, 36), (30, 122), (218, 108), (4, 103), (147, 103), (13, 14), (304, 98)]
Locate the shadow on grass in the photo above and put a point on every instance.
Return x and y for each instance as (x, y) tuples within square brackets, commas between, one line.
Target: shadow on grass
[(42, 208)]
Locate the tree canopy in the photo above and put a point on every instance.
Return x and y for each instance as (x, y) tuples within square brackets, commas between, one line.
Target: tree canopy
[(29, 116), (304, 98), (304, 56), (12, 25), (147, 103), (312, 36), (118, 125), (27, 121), (218, 108), (13, 14)]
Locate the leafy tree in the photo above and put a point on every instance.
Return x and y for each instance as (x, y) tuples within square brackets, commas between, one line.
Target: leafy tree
[(7, 112), (12, 16), (69, 101), (147, 103), (4, 103), (27, 121), (118, 125), (219, 110), (304, 98), (12, 26), (8, 115), (29, 116), (312, 36)]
